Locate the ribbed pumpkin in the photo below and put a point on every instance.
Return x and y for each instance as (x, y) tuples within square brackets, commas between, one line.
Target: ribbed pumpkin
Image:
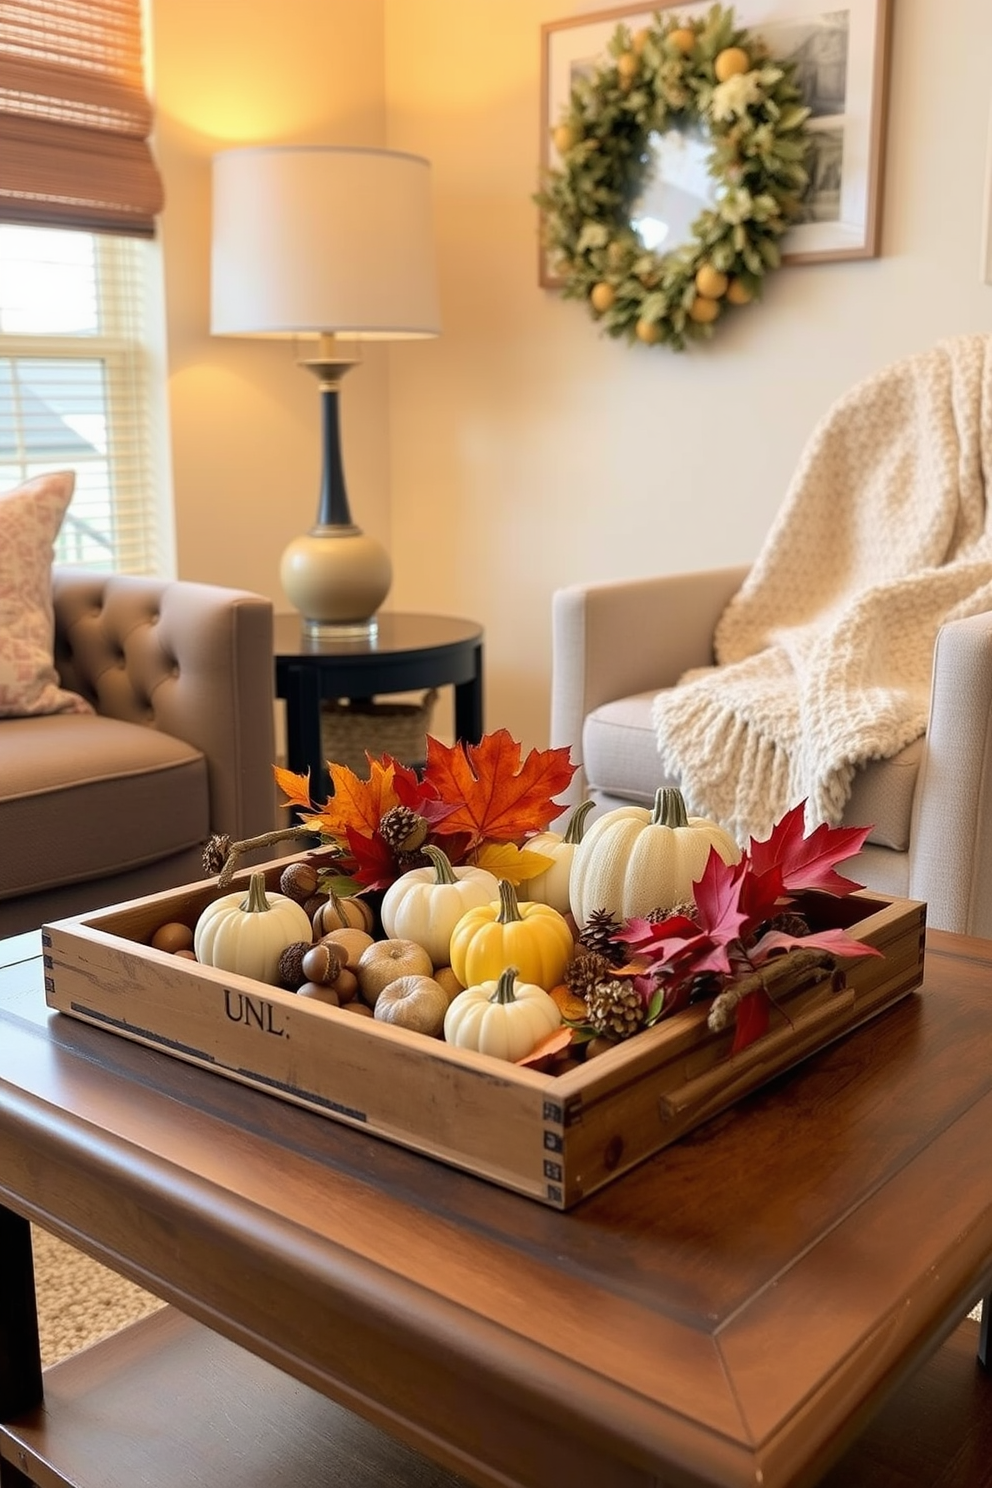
[(533, 937), (247, 933), (632, 860), (425, 904), (505, 1018), (551, 886)]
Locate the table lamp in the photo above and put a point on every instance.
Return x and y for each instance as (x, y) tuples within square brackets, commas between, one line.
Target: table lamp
[(335, 243)]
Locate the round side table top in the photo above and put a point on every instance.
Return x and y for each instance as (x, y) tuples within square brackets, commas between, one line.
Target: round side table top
[(398, 633)]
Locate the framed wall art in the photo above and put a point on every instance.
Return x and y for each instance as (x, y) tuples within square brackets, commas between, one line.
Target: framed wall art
[(841, 51)]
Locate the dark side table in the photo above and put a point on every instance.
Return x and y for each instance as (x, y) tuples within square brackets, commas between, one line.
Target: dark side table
[(409, 652)]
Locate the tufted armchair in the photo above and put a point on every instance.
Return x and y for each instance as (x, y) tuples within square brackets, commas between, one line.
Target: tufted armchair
[(615, 645), (100, 807)]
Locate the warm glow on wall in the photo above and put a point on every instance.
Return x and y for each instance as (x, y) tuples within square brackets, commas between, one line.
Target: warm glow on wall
[(244, 79)]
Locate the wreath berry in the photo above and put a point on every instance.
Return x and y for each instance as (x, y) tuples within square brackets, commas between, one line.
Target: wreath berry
[(705, 74)]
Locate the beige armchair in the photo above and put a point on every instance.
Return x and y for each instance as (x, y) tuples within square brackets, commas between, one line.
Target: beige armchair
[(101, 807), (615, 645)]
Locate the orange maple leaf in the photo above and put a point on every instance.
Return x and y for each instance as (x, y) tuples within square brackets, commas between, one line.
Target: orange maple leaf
[(359, 804), (296, 788), (501, 798), (553, 1044)]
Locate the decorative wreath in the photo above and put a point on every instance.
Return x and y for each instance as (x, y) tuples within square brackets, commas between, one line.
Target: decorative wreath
[(705, 74)]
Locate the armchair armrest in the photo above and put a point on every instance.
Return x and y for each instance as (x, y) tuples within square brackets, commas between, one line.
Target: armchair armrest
[(950, 854), (194, 660), (611, 640)]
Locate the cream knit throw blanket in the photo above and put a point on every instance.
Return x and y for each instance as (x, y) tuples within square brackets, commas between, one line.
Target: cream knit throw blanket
[(825, 654)]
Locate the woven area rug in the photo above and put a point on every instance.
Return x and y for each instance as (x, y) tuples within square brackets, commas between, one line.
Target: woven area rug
[(79, 1301)]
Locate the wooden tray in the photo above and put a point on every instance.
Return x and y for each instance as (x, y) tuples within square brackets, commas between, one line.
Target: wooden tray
[(553, 1138)]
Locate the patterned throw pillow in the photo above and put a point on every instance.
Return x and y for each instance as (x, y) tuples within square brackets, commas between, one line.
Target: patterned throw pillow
[(30, 518)]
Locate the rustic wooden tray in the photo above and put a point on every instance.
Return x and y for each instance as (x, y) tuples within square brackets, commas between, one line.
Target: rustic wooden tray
[(553, 1138)]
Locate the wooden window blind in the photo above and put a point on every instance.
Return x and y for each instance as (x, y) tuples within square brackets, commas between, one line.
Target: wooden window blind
[(75, 117)]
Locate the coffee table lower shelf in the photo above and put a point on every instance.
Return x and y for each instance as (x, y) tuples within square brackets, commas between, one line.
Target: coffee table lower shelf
[(167, 1402)]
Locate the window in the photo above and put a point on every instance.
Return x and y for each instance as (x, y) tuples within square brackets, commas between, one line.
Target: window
[(75, 388), (80, 280)]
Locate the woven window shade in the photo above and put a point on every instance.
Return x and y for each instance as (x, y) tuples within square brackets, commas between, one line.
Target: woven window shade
[(75, 118)]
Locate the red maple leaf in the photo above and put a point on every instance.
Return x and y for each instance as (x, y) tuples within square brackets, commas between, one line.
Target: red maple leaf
[(674, 948), (375, 862), (718, 898), (502, 798), (753, 1015), (837, 942), (807, 862)]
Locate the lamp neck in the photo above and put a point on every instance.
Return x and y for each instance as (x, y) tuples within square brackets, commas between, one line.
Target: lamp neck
[(333, 510)]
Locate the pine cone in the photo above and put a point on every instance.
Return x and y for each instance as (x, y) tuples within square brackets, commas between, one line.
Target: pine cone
[(687, 908), (597, 935), (215, 851), (788, 922), (403, 829), (615, 1008), (584, 971)]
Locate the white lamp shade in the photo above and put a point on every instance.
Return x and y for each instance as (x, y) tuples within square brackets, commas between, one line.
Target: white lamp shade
[(314, 238)]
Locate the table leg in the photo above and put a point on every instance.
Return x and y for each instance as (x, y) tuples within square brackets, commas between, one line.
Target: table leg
[(20, 1352), (304, 750), (984, 1357), (468, 705)]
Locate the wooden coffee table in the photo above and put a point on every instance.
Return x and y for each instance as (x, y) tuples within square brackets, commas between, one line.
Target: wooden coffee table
[(736, 1310)]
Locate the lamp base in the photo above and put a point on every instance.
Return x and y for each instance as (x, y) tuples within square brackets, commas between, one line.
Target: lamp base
[(337, 577)]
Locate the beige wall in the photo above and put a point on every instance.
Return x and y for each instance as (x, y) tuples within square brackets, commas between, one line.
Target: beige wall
[(521, 451), (245, 418)]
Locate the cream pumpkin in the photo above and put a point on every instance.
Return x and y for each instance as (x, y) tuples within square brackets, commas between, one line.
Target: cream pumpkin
[(632, 860), (504, 1018), (425, 904), (551, 886), (247, 933)]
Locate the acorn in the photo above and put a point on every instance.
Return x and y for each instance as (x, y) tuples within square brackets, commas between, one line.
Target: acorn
[(319, 993), (321, 963), (298, 881), (290, 966)]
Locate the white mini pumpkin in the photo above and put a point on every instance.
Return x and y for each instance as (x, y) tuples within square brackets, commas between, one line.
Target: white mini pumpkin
[(247, 933), (632, 860), (425, 904), (504, 1018), (551, 886)]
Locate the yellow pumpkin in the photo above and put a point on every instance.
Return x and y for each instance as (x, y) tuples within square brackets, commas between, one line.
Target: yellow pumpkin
[(551, 886), (489, 938), (505, 1018), (632, 860)]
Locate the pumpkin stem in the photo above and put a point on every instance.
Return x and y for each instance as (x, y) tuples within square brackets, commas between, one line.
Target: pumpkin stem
[(255, 901), (577, 824), (443, 871), (669, 808), (509, 910), (504, 986)]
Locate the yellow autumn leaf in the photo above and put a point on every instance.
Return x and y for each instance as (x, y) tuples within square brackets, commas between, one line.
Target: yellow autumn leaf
[(515, 864)]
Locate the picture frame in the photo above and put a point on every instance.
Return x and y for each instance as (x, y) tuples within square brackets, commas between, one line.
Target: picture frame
[(843, 57)]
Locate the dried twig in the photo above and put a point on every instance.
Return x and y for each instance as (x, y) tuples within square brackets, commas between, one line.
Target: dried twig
[(221, 855), (770, 976)]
